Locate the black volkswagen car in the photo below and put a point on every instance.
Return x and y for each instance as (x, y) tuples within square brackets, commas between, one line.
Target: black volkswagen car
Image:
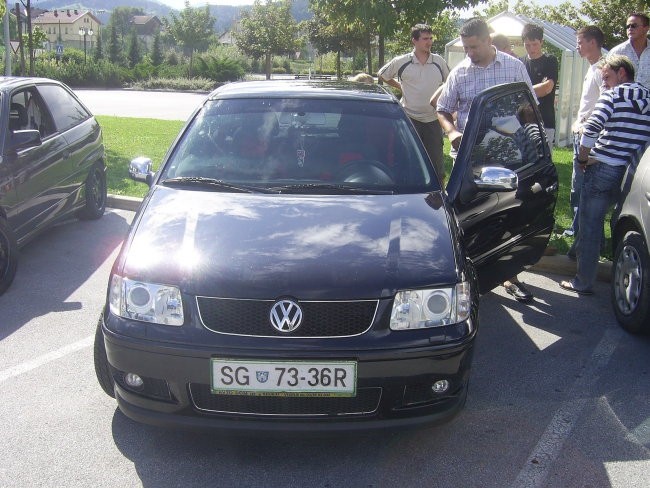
[(51, 163), (298, 266)]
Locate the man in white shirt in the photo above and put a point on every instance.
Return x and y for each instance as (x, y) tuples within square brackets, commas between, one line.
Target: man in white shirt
[(636, 47), (589, 41), (418, 75)]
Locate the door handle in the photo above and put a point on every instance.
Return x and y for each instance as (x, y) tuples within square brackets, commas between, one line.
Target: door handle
[(66, 154), (552, 188)]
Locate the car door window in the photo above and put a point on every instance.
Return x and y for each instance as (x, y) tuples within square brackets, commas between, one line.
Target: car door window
[(65, 108), (510, 135), (27, 111)]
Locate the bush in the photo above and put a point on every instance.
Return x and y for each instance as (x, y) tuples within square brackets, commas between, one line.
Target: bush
[(91, 74), (219, 68), (176, 84)]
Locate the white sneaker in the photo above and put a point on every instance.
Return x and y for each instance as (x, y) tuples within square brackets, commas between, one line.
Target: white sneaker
[(567, 233)]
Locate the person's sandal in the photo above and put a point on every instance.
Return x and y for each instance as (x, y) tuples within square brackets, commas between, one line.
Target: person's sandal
[(568, 285)]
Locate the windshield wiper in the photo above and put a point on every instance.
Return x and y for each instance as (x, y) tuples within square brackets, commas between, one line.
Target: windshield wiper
[(329, 187), (214, 183)]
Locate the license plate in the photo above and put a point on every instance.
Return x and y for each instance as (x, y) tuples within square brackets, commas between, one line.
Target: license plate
[(283, 378)]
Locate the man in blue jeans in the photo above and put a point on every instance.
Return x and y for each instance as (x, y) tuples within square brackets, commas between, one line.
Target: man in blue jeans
[(617, 128), (589, 41)]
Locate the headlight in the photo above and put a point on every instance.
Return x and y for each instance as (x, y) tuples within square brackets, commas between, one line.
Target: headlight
[(148, 302), (419, 309)]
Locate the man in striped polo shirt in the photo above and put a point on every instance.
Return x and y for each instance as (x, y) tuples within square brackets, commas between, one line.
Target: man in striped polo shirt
[(617, 128)]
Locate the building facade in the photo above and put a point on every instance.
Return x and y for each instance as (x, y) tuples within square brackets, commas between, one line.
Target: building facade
[(63, 27)]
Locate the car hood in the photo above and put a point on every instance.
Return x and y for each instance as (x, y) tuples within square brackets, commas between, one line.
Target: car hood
[(265, 246)]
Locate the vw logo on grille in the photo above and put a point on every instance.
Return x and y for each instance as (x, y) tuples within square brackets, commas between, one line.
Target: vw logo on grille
[(286, 315)]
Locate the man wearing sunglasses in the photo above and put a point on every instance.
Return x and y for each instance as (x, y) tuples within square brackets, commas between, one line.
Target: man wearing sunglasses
[(636, 47)]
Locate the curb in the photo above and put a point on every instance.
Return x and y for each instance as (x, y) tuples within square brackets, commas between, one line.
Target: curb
[(560, 265)]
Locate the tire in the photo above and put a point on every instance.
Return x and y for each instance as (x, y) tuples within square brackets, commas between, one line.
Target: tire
[(102, 369), (95, 194), (8, 256), (630, 290)]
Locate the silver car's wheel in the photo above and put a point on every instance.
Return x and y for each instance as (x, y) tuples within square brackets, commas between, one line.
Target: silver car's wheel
[(631, 284)]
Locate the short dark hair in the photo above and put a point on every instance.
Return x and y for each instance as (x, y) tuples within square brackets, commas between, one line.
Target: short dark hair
[(592, 33), (418, 29), (642, 16), (618, 61), (475, 26), (532, 32)]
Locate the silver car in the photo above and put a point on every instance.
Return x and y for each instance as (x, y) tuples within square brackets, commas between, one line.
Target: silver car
[(631, 271)]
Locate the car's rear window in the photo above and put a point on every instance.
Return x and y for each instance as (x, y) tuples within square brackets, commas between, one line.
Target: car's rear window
[(286, 143)]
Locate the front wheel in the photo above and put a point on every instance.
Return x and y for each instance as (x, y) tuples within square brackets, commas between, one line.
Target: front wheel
[(102, 370), (8, 256), (96, 194), (630, 290)]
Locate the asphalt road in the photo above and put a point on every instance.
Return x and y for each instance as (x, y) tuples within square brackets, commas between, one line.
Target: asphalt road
[(559, 397), (141, 104)]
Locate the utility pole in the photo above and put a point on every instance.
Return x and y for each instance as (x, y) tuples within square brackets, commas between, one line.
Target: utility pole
[(20, 40), (7, 41)]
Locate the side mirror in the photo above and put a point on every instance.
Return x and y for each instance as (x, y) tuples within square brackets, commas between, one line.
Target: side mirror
[(496, 178), (140, 170), (23, 139)]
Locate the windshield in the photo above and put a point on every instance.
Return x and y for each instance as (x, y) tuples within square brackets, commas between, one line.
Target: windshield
[(302, 146)]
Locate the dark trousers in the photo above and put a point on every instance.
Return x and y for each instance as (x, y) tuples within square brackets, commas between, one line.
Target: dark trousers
[(431, 135)]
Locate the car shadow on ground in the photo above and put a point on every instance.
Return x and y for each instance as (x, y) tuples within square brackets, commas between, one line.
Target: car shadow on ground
[(521, 376), (54, 265)]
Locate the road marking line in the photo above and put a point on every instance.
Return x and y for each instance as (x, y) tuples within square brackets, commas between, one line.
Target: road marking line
[(548, 448), (45, 358)]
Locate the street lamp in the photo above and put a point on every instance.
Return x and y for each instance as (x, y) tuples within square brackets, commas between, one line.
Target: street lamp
[(84, 31)]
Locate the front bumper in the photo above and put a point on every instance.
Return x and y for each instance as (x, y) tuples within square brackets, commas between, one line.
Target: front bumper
[(393, 388)]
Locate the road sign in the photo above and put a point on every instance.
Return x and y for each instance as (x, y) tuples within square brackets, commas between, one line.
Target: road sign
[(59, 49)]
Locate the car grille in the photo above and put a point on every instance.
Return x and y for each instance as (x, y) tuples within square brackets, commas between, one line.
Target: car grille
[(320, 319), (364, 403)]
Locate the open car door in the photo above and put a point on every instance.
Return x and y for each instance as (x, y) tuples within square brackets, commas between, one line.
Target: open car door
[(504, 184)]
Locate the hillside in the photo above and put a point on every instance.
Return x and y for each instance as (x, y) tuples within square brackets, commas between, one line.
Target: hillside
[(226, 15)]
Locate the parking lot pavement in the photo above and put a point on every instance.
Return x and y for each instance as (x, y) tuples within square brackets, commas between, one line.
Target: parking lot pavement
[(558, 397)]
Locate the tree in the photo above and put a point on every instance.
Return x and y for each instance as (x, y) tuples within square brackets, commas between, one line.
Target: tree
[(114, 47), (134, 49), (609, 15), (193, 29), (99, 49), (266, 30), (382, 19), (328, 37), (122, 20), (156, 51)]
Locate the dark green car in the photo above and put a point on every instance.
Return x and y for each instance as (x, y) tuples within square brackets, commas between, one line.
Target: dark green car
[(51, 163)]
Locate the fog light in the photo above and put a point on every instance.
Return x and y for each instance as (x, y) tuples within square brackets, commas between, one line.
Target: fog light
[(440, 386), (133, 380)]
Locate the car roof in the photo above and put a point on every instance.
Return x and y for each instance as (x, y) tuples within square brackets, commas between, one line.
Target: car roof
[(11, 82), (303, 89)]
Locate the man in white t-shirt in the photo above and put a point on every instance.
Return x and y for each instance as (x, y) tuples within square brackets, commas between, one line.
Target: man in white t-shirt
[(589, 41), (418, 75)]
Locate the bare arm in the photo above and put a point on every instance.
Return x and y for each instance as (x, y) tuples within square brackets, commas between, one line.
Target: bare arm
[(447, 123), (543, 88), (436, 95), (393, 83)]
